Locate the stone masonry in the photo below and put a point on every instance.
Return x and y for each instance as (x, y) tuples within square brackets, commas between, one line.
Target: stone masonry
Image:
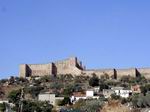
[(75, 67)]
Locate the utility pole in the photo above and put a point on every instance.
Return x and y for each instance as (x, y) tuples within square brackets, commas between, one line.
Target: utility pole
[(21, 100)]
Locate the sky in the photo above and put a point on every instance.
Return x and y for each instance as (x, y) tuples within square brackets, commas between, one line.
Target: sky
[(101, 33)]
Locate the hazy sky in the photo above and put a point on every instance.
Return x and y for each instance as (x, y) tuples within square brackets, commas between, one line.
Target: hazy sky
[(101, 33)]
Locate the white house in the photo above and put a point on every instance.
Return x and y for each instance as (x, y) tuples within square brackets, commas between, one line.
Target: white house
[(76, 98), (51, 98), (96, 89), (4, 101), (117, 88), (123, 93), (120, 91), (89, 94), (8, 105), (47, 97)]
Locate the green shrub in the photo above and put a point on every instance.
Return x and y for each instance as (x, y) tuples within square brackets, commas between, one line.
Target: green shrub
[(94, 81), (91, 105), (115, 97), (65, 101), (36, 106), (2, 107)]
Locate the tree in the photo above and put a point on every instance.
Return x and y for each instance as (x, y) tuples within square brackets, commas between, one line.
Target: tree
[(141, 101), (145, 88), (135, 99), (68, 77), (94, 81), (1, 92), (103, 86), (3, 81), (2, 107), (14, 96), (21, 80), (141, 79), (81, 79), (34, 90), (46, 78), (56, 85), (111, 82), (123, 100), (125, 79), (11, 80), (88, 105), (36, 106), (65, 101), (68, 90), (105, 76), (77, 88), (115, 97)]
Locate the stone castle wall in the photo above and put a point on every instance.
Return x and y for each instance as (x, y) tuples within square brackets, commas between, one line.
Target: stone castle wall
[(35, 70), (75, 67), (126, 72), (100, 72), (68, 66), (40, 69), (145, 72), (118, 73), (22, 70)]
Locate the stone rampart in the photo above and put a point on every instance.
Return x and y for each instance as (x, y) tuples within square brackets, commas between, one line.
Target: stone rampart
[(35, 70), (99, 72), (75, 67), (126, 72), (22, 70), (68, 66), (144, 72), (40, 69)]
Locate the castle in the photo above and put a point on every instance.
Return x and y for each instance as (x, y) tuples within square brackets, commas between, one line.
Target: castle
[(74, 66)]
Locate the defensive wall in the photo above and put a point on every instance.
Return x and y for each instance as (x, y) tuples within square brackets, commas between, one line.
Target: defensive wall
[(67, 66), (74, 66), (27, 70)]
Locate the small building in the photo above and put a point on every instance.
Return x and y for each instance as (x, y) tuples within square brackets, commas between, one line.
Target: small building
[(123, 93), (78, 95), (51, 98), (96, 89), (136, 89), (4, 101), (117, 88), (120, 91), (8, 105), (89, 93), (47, 97)]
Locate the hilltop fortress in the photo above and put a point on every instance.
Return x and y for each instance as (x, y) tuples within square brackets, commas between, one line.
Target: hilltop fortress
[(74, 66)]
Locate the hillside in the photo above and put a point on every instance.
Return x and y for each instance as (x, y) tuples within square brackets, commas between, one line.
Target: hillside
[(79, 87)]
